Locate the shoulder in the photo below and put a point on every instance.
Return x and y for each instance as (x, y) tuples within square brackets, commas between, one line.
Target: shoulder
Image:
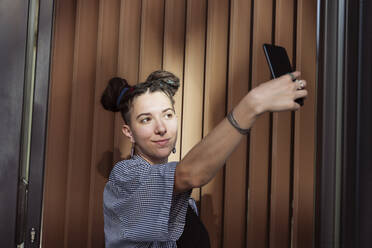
[(137, 170), (127, 170)]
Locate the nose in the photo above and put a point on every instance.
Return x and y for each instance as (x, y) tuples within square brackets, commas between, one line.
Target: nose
[(160, 128)]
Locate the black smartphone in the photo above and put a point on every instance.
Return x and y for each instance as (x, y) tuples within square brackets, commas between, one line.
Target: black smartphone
[(279, 63)]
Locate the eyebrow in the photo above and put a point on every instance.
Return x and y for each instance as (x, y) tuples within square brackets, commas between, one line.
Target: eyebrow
[(165, 110)]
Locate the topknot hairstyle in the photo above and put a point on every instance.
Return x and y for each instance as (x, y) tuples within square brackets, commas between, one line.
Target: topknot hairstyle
[(119, 95)]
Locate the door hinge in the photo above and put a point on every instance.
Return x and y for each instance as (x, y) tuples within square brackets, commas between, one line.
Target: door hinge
[(33, 235)]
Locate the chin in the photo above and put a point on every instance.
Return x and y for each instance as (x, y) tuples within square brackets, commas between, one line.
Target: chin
[(162, 154)]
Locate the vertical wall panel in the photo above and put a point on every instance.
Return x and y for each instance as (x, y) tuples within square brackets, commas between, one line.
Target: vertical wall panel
[(173, 57), (236, 165), (206, 43), (103, 122), (214, 109), (281, 141), (305, 128), (80, 143), (128, 61), (258, 211), (152, 30), (193, 94), (58, 125)]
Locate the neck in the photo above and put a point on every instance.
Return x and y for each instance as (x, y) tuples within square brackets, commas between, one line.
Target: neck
[(152, 161)]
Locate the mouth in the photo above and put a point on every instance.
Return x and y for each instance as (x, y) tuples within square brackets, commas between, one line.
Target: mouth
[(162, 142)]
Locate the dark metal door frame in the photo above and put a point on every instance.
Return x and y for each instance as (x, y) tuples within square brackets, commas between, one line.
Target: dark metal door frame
[(21, 218), (39, 124), (364, 129), (344, 121), (13, 29)]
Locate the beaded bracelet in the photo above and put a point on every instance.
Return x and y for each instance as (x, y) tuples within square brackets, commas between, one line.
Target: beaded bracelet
[(235, 124)]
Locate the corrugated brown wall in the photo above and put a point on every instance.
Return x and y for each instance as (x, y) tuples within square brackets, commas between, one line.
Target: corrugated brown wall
[(264, 195)]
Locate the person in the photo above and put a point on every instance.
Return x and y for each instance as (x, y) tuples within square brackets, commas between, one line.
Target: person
[(147, 199)]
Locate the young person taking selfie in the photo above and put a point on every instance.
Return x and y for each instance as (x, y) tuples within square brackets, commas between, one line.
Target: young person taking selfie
[(147, 199)]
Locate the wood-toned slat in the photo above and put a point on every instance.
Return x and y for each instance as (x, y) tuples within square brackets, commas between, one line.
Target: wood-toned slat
[(128, 62), (236, 166), (152, 31), (97, 40), (193, 94), (280, 230), (258, 212), (58, 125), (80, 142), (304, 152), (173, 55), (103, 121), (214, 109)]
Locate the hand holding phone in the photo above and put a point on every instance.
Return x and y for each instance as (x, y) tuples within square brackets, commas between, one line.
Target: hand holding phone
[(279, 63)]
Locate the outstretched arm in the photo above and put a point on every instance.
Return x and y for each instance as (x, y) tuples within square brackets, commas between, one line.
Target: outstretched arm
[(204, 160)]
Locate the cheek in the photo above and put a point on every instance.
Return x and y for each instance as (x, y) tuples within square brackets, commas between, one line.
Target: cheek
[(143, 133), (173, 126)]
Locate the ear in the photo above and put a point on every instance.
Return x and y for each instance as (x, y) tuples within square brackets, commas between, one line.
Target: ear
[(127, 132)]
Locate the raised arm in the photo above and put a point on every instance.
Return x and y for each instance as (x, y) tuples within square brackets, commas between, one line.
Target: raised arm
[(204, 160)]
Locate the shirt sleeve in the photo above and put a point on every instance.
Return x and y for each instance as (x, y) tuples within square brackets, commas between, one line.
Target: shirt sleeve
[(139, 204)]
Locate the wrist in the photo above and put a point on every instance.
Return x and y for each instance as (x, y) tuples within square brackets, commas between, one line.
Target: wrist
[(254, 104), (245, 113), (235, 124)]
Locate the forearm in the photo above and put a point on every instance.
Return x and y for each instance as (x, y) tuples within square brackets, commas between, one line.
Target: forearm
[(204, 160)]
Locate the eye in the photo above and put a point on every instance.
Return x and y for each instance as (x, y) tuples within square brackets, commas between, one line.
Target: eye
[(145, 120), (169, 115)]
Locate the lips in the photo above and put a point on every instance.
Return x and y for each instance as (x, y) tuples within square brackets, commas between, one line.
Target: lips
[(162, 142)]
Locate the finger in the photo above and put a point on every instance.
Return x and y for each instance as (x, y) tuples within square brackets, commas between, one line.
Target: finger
[(300, 94), (293, 106), (293, 75), (300, 84), (296, 106), (297, 74)]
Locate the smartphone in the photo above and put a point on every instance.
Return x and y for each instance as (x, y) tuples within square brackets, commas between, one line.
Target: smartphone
[(279, 63)]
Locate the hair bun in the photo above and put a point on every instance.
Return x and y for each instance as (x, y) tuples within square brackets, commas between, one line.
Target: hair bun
[(112, 92), (166, 77)]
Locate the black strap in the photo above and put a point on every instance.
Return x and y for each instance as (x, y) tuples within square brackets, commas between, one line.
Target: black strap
[(234, 123), (194, 235)]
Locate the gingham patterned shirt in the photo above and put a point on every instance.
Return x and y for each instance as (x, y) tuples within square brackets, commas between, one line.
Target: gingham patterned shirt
[(140, 208)]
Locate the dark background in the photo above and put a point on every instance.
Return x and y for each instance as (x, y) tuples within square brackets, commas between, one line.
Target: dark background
[(13, 30)]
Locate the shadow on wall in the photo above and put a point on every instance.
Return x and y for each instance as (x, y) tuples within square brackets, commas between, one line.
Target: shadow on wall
[(107, 162)]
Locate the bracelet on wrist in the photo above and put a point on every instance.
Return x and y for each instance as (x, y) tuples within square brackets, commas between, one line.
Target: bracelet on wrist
[(235, 124)]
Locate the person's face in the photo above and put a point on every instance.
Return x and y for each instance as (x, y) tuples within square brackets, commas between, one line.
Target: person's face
[(153, 126)]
